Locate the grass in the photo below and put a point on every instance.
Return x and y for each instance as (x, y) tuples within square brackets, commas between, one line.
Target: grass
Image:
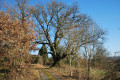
[(1, 76), (48, 74), (63, 72), (97, 73), (36, 74), (38, 66)]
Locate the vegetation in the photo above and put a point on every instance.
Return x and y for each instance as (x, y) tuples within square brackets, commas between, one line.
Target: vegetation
[(66, 24), (15, 44), (44, 54), (74, 41)]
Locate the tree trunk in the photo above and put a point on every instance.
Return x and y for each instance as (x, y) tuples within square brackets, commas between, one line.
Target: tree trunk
[(56, 59), (79, 75), (70, 61), (88, 78)]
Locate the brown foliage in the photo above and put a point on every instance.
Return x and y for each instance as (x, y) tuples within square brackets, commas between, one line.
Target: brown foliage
[(15, 43)]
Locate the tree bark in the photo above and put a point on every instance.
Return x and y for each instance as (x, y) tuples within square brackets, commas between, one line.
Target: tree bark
[(70, 61), (57, 58)]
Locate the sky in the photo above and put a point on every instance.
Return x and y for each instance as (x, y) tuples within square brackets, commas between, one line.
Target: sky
[(106, 13)]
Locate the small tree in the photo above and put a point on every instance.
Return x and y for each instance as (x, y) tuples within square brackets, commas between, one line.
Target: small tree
[(88, 56), (44, 54), (100, 57)]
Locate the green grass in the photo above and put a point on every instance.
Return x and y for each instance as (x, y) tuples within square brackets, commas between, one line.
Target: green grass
[(37, 75), (48, 75), (97, 73)]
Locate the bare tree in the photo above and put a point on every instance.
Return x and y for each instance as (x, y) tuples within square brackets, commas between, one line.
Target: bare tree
[(53, 23), (88, 56), (89, 47), (100, 57)]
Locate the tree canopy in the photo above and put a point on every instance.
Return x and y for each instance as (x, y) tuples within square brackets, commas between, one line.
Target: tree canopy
[(56, 22)]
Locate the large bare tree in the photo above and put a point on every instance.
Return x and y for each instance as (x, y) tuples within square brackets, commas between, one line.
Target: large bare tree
[(55, 21)]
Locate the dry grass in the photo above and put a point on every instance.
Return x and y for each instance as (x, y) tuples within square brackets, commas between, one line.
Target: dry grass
[(37, 75), (48, 74), (63, 72), (38, 66), (96, 74)]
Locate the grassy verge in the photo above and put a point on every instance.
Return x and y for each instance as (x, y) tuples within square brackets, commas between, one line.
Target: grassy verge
[(62, 72), (37, 75), (48, 74), (96, 74)]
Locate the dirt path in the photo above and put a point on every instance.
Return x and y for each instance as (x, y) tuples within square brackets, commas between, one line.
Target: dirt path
[(45, 74)]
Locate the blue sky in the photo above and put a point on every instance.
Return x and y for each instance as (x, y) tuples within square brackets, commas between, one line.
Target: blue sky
[(106, 13)]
